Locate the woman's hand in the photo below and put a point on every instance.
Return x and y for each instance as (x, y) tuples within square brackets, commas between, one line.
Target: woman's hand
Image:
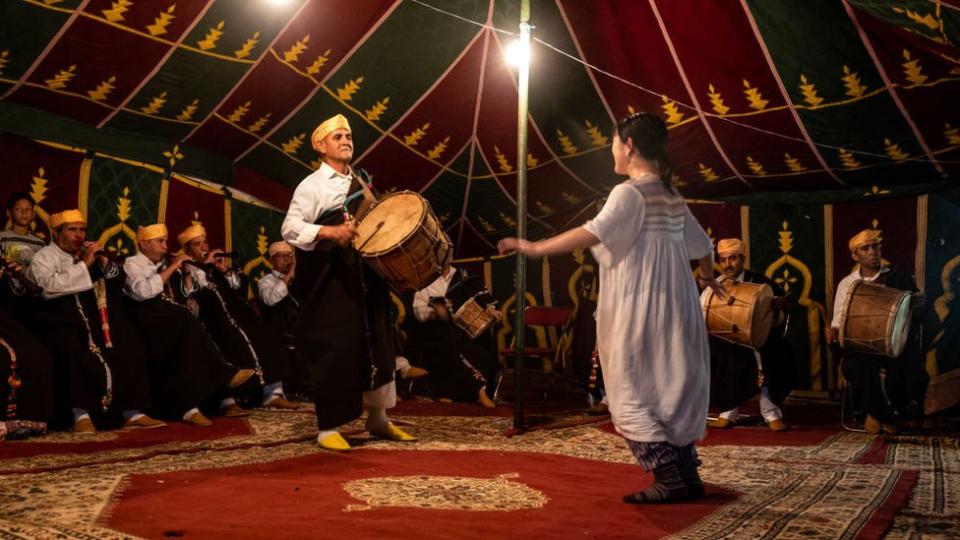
[(525, 247)]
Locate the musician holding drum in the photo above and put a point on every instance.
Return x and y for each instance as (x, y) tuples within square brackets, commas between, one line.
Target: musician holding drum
[(876, 316), (738, 372), (460, 366), (345, 334)]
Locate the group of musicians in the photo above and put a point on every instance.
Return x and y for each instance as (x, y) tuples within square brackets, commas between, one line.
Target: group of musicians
[(91, 342)]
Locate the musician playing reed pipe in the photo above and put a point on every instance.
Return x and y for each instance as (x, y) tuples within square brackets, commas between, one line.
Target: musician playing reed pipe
[(100, 360)]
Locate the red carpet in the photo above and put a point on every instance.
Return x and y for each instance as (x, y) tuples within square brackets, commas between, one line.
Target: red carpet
[(305, 498), (125, 439), (896, 500)]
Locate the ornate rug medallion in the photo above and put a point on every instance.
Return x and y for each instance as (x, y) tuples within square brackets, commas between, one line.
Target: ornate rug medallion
[(445, 493)]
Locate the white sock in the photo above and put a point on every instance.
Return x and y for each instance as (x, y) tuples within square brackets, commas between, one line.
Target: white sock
[(226, 402), (324, 433), (377, 418), (190, 413), (403, 365), (132, 415), (272, 391), (80, 414)]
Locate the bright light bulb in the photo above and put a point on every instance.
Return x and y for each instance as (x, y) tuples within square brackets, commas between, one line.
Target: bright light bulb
[(517, 54), (278, 3)]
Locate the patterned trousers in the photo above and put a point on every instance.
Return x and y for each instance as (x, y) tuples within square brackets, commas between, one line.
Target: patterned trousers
[(651, 455)]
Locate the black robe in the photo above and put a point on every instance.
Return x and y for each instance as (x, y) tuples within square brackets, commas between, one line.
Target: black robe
[(345, 334), (25, 362), (185, 366), (240, 334), (734, 377), (283, 317), (903, 389), (81, 379)]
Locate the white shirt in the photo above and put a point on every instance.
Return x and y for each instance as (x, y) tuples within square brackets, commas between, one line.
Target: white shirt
[(200, 278), (844, 287), (272, 288), (54, 270), (143, 278), (421, 300), (325, 189)]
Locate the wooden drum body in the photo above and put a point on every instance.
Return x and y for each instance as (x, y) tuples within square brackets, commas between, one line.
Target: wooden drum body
[(875, 319), (744, 317), (473, 318), (403, 242)]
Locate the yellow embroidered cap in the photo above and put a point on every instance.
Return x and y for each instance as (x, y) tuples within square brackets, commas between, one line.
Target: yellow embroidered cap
[(67, 216), (730, 245), (327, 127), (863, 238), (279, 247), (152, 232), (191, 232)]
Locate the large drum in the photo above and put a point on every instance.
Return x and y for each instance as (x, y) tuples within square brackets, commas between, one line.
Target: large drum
[(875, 319), (402, 240), (744, 317)]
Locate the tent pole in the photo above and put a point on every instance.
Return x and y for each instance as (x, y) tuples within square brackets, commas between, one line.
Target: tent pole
[(521, 299)]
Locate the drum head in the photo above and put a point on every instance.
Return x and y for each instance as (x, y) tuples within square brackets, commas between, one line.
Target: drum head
[(900, 324), (390, 222)]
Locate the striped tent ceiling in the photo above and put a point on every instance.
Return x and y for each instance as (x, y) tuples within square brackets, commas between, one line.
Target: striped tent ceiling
[(763, 98)]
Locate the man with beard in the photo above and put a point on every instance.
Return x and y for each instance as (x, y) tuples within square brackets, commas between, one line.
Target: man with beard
[(345, 333), (886, 390), (99, 353), (737, 371), (185, 366), (218, 293)]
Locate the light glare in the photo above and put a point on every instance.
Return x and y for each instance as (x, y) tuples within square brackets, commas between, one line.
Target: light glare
[(517, 54)]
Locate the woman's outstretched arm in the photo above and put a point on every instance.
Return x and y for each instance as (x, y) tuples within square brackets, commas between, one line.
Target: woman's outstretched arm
[(565, 242)]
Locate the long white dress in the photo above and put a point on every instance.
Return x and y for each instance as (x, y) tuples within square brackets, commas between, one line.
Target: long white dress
[(650, 329)]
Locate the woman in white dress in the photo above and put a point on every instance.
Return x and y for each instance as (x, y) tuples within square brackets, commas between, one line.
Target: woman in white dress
[(650, 331)]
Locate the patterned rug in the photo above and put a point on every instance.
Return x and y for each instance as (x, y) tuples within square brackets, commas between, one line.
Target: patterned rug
[(848, 485)]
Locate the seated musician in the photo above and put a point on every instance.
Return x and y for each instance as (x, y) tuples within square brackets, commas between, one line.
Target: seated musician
[(279, 307), (186, 368), (26, 366), (443, 349), (887, 390), (736, 371), (346, 333), (219, 295), (99, 356), (18, 243)]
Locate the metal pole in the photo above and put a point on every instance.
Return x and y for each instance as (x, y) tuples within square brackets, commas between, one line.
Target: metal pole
[(521, 299)]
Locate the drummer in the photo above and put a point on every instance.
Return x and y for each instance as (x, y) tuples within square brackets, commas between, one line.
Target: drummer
[(455, 365), (345, 333), (737, 373), (887, 390)]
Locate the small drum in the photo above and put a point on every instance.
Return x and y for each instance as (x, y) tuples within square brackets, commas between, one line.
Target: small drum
[(402, 240), (744, 317), (473, 318), (875, 319)]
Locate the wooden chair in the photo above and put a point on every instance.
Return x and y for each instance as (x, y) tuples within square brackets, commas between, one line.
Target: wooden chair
[(543, 316)]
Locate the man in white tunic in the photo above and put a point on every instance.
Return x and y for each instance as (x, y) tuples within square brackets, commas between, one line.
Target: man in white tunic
[(345, 333), (186, 368), (650, 330), (100, 358)]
